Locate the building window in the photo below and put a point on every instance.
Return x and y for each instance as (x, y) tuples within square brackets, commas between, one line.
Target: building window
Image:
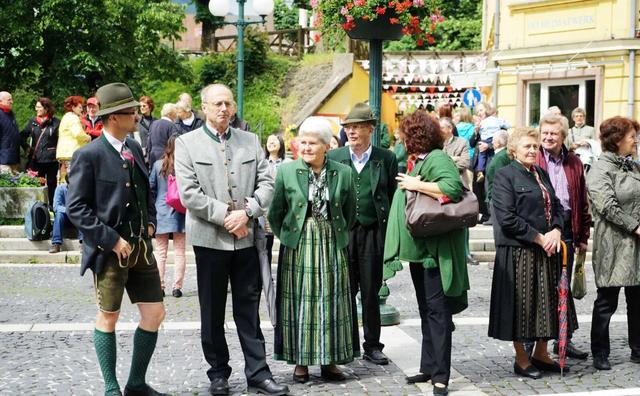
[(567, 94)]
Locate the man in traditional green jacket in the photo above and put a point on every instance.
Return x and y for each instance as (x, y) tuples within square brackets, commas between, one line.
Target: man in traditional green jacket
[(374, 171)]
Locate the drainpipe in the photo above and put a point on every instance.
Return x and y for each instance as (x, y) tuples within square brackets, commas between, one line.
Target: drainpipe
[(496, 46), (632, 60)]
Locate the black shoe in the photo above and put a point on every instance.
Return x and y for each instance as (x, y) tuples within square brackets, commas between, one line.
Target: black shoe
[(601, 362), (484, 218), (177, 293), (550, 367), (330, 375), (377, 357), (146, 391), (635, 357), (440, 391), (219, 386), (471, 260), (268, 387), (421, 377), (572, 351), (530, 372), (301, 378)]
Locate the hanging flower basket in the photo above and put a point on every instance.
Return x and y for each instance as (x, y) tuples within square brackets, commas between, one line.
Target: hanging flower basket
[(376, 29), (378, 19)]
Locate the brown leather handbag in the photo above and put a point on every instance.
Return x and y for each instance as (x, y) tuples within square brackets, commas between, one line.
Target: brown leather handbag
[(426, 216)]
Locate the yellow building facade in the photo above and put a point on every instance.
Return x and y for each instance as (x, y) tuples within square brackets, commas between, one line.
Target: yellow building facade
[(565, 53)]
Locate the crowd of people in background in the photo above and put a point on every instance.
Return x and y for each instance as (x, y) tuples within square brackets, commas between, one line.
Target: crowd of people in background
[(338, 211)]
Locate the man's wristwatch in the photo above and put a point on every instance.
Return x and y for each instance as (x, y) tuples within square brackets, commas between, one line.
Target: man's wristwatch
[(249, 212)]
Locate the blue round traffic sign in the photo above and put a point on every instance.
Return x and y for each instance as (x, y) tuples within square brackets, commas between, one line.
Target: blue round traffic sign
[(471, 97)]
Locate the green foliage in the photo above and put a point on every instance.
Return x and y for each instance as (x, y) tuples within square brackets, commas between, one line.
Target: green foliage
[(64, 47), (262, 97), (19, 180), (167, 92), (23, 102), (203, 15), (284, 17), (10, 221)]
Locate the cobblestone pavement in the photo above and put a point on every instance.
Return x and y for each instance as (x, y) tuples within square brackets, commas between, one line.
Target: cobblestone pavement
[(62, 361)]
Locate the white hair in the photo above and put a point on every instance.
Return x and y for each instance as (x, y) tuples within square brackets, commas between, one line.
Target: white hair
[(319, 127), (500, 138), (169, 110)]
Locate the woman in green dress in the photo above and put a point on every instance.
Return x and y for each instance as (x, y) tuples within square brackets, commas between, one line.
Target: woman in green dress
[(438, 263), (312, 211)]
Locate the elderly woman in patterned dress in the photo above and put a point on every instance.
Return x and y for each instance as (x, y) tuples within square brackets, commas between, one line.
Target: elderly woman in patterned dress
[(527, 232), (312, 211)]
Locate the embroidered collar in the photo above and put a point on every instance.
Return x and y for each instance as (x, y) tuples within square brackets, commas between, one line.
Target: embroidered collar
[(214, 134)]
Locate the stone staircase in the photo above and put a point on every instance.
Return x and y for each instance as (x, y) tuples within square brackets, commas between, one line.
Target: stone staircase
[(16, 249)]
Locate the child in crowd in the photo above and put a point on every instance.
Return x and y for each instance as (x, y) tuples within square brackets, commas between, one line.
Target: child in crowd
[(60, 220), (489, 125)]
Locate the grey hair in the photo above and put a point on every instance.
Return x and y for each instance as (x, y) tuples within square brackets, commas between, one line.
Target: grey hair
[(553, 119), (553, 109), (184, 106), (319, 127), (578, 110), (169, 110), (501, 138), (205, 91)]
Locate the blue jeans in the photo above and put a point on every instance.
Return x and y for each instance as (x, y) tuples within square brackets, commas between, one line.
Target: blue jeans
[(61, 221)]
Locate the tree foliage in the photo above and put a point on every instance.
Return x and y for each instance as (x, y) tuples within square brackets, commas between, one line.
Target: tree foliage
[(63, 47), (461, 30), (284, 16)]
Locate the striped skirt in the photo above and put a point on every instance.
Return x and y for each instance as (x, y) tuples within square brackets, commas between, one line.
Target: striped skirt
[(524, 295), (315, 323)]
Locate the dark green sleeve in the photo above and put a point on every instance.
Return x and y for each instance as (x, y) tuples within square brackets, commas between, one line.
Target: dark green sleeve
[(441, 169)]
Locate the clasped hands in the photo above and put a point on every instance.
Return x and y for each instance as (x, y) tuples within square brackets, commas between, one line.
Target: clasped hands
[(236, 223), (550, 241)]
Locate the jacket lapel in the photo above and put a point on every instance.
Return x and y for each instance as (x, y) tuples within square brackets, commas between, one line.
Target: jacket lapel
[(375, 168), (302, 175), (332, 176)]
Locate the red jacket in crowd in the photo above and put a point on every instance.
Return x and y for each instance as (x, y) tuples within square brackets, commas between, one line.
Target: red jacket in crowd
[(94, 129), (580, 216)]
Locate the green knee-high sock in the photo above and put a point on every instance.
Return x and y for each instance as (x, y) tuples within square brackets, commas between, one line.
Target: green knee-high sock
[(105, 344), (144, 343)]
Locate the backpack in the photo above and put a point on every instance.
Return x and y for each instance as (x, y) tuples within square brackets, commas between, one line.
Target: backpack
[(37, 221), (173, 197)]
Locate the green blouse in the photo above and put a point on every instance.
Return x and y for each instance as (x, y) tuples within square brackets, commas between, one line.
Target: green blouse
[(446, 251)]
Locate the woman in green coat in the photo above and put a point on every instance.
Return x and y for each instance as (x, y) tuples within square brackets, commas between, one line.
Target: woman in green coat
[(312, 211), (438, 264)]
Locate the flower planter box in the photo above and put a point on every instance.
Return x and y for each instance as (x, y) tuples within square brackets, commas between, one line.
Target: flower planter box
[(14, 201), (377, 29)]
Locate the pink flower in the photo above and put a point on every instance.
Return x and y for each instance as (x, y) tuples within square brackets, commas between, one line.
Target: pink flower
[(359, 3), (313, 3), (433, 18), (344, 11), (32, 173), (418, 3)]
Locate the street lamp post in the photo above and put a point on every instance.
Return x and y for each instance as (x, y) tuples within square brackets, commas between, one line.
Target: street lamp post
[(220, 8)]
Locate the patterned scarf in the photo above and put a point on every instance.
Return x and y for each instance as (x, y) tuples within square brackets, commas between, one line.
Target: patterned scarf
[(545, 195), (319, 186)]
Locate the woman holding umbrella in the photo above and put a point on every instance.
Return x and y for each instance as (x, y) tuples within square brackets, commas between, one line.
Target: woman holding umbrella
[(526, 229), (613, 184)]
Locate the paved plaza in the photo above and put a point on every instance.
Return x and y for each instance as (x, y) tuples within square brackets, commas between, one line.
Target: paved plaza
[(47, 313)]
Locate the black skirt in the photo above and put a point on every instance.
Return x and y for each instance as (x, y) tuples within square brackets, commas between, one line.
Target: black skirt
[(524, 295)]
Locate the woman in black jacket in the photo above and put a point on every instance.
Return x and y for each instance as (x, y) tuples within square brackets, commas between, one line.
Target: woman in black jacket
[(526, 228), (43, 132)]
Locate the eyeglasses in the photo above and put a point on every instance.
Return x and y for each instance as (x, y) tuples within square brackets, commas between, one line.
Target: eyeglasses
[(220, 103)]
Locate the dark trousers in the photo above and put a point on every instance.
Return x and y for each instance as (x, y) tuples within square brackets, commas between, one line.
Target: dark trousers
[(49, 171), (365, 272), (214, 269), (436, 323), (604, 307)]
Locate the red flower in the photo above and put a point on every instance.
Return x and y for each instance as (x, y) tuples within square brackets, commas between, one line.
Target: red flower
[(394, 21), (349, 5), (381, 10), (419, 42), (407, 3), (414, 21), (348, 25), (431, 40), (392, 4)]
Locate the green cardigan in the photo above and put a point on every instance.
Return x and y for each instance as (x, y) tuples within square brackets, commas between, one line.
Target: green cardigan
[(446, 251), (291, 197)]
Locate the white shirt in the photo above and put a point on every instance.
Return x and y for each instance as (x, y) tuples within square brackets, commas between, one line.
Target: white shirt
[(117, 144), (189, 121), (359, 163)]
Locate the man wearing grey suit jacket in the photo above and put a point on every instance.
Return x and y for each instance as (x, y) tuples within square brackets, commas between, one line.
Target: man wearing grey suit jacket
[(225, 185)]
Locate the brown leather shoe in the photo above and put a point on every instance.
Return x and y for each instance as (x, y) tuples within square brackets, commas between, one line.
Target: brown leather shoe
[(55, 248)]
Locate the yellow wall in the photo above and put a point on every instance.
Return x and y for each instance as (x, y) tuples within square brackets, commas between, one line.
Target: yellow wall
[(549, 22), (355, 90)]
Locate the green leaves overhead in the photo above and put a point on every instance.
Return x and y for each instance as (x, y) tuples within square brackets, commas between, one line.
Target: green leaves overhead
[(63, 47)]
